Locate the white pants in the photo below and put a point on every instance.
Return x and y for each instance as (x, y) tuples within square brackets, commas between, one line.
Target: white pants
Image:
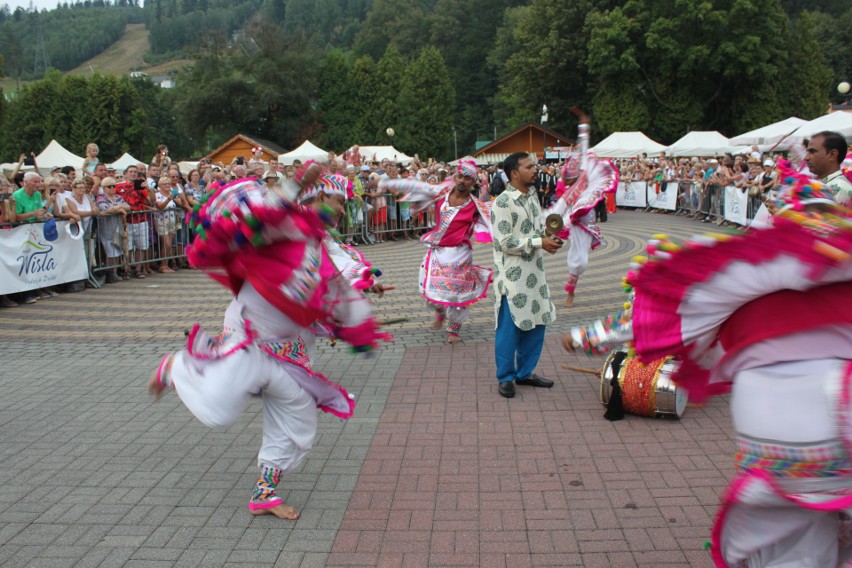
[(218, 393), (787, 407)]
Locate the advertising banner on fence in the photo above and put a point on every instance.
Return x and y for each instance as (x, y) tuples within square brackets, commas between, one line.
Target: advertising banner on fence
[(28, 261), (631, 194), (666, 199), (736, 205)]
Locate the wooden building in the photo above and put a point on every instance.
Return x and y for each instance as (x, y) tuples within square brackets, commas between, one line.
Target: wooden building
[(242, 145), (530, 137)]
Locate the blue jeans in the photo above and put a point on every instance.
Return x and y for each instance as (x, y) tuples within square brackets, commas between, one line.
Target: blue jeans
[(516, 351)]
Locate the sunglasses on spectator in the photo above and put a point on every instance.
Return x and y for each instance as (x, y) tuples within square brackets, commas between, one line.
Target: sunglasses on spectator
[(107, 186)]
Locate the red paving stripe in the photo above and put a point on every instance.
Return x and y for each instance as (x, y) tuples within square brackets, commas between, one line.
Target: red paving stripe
[(458, 476)]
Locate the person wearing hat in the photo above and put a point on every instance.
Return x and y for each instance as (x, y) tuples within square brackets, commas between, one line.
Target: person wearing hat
[(271, 180)]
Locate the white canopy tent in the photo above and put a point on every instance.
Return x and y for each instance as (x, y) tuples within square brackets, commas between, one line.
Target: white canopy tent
[(627, 145), (125, 161), (9, 167), (770, 134), (700, 143), (57, 155), (307, 151), (187, 166), (380, 153), (837, 121)]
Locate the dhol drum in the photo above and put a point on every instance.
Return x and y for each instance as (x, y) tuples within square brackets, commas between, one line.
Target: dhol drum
[(646, 389)]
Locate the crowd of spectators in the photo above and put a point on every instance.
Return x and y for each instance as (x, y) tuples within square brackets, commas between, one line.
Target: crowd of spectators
[(135, 220)]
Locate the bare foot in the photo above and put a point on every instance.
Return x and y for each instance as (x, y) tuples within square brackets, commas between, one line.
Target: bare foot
[(452, 338), (155, 388), (281, 511), (437, 324), (569, 301)]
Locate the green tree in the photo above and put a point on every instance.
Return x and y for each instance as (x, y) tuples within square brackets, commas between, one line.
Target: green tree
[(337, 103), (401, 23), (363, 78), (550, 66), (428, 99), (385, 101), (834, 39), (684, 64)]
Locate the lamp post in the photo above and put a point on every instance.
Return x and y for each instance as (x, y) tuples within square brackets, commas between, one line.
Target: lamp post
[(543, 122), (843, 88), (455, 144)]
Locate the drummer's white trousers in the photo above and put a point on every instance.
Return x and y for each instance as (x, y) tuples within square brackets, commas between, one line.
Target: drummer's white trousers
[(787, 405)]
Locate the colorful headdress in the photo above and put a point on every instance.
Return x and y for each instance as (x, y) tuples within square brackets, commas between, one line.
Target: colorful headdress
[(248, 234), (329, 184), (467, 168), (798, 190), (846, 166)]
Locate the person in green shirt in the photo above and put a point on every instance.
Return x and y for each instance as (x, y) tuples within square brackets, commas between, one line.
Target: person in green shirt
[(28, 202)]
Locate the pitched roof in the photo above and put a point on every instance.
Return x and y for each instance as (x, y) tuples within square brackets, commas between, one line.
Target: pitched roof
[(271, 147), (534, 126)]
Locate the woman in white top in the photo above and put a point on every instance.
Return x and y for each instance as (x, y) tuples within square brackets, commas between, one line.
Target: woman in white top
[(80, 203)]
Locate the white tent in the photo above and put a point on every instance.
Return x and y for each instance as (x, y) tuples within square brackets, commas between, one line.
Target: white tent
[(187, 166), (56, 155), (307, 151), (837, 121), (770, 134), (627, 145), (379, 153), (125, 161), (700, 143)]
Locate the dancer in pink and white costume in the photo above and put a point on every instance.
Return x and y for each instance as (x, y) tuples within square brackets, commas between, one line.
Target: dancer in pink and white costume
[(584, 183), (766, 316), (449, 280), (270, 254)]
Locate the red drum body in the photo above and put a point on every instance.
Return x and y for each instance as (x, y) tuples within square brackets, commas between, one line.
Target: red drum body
[(646, 389)]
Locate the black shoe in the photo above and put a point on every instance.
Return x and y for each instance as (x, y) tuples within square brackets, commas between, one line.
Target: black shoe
[(507, 389), (535, 381)]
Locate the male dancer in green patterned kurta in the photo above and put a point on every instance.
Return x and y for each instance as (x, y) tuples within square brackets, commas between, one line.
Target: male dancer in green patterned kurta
[(523, 307)]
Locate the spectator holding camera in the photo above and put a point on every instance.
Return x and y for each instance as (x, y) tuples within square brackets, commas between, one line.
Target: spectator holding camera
[(167, 200), (135, 193)]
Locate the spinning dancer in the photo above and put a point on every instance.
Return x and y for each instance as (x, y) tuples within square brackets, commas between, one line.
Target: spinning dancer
[(272, 256), (584, 183), (766, 316), (449, 280)]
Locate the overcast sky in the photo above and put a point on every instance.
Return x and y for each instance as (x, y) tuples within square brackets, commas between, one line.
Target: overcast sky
[(39, 4)]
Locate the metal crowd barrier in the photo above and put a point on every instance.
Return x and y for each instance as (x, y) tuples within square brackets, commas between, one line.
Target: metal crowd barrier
[(365, 223), (126, 244)]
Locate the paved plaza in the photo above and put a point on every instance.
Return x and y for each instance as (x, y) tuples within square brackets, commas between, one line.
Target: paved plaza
[(434, 469)]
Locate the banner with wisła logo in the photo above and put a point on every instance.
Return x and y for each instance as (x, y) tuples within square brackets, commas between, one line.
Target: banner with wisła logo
[(28, 261), (736, 205), (631, 194), (666, 199)]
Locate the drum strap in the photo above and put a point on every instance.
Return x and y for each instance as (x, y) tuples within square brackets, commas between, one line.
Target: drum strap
[(615, 406)]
